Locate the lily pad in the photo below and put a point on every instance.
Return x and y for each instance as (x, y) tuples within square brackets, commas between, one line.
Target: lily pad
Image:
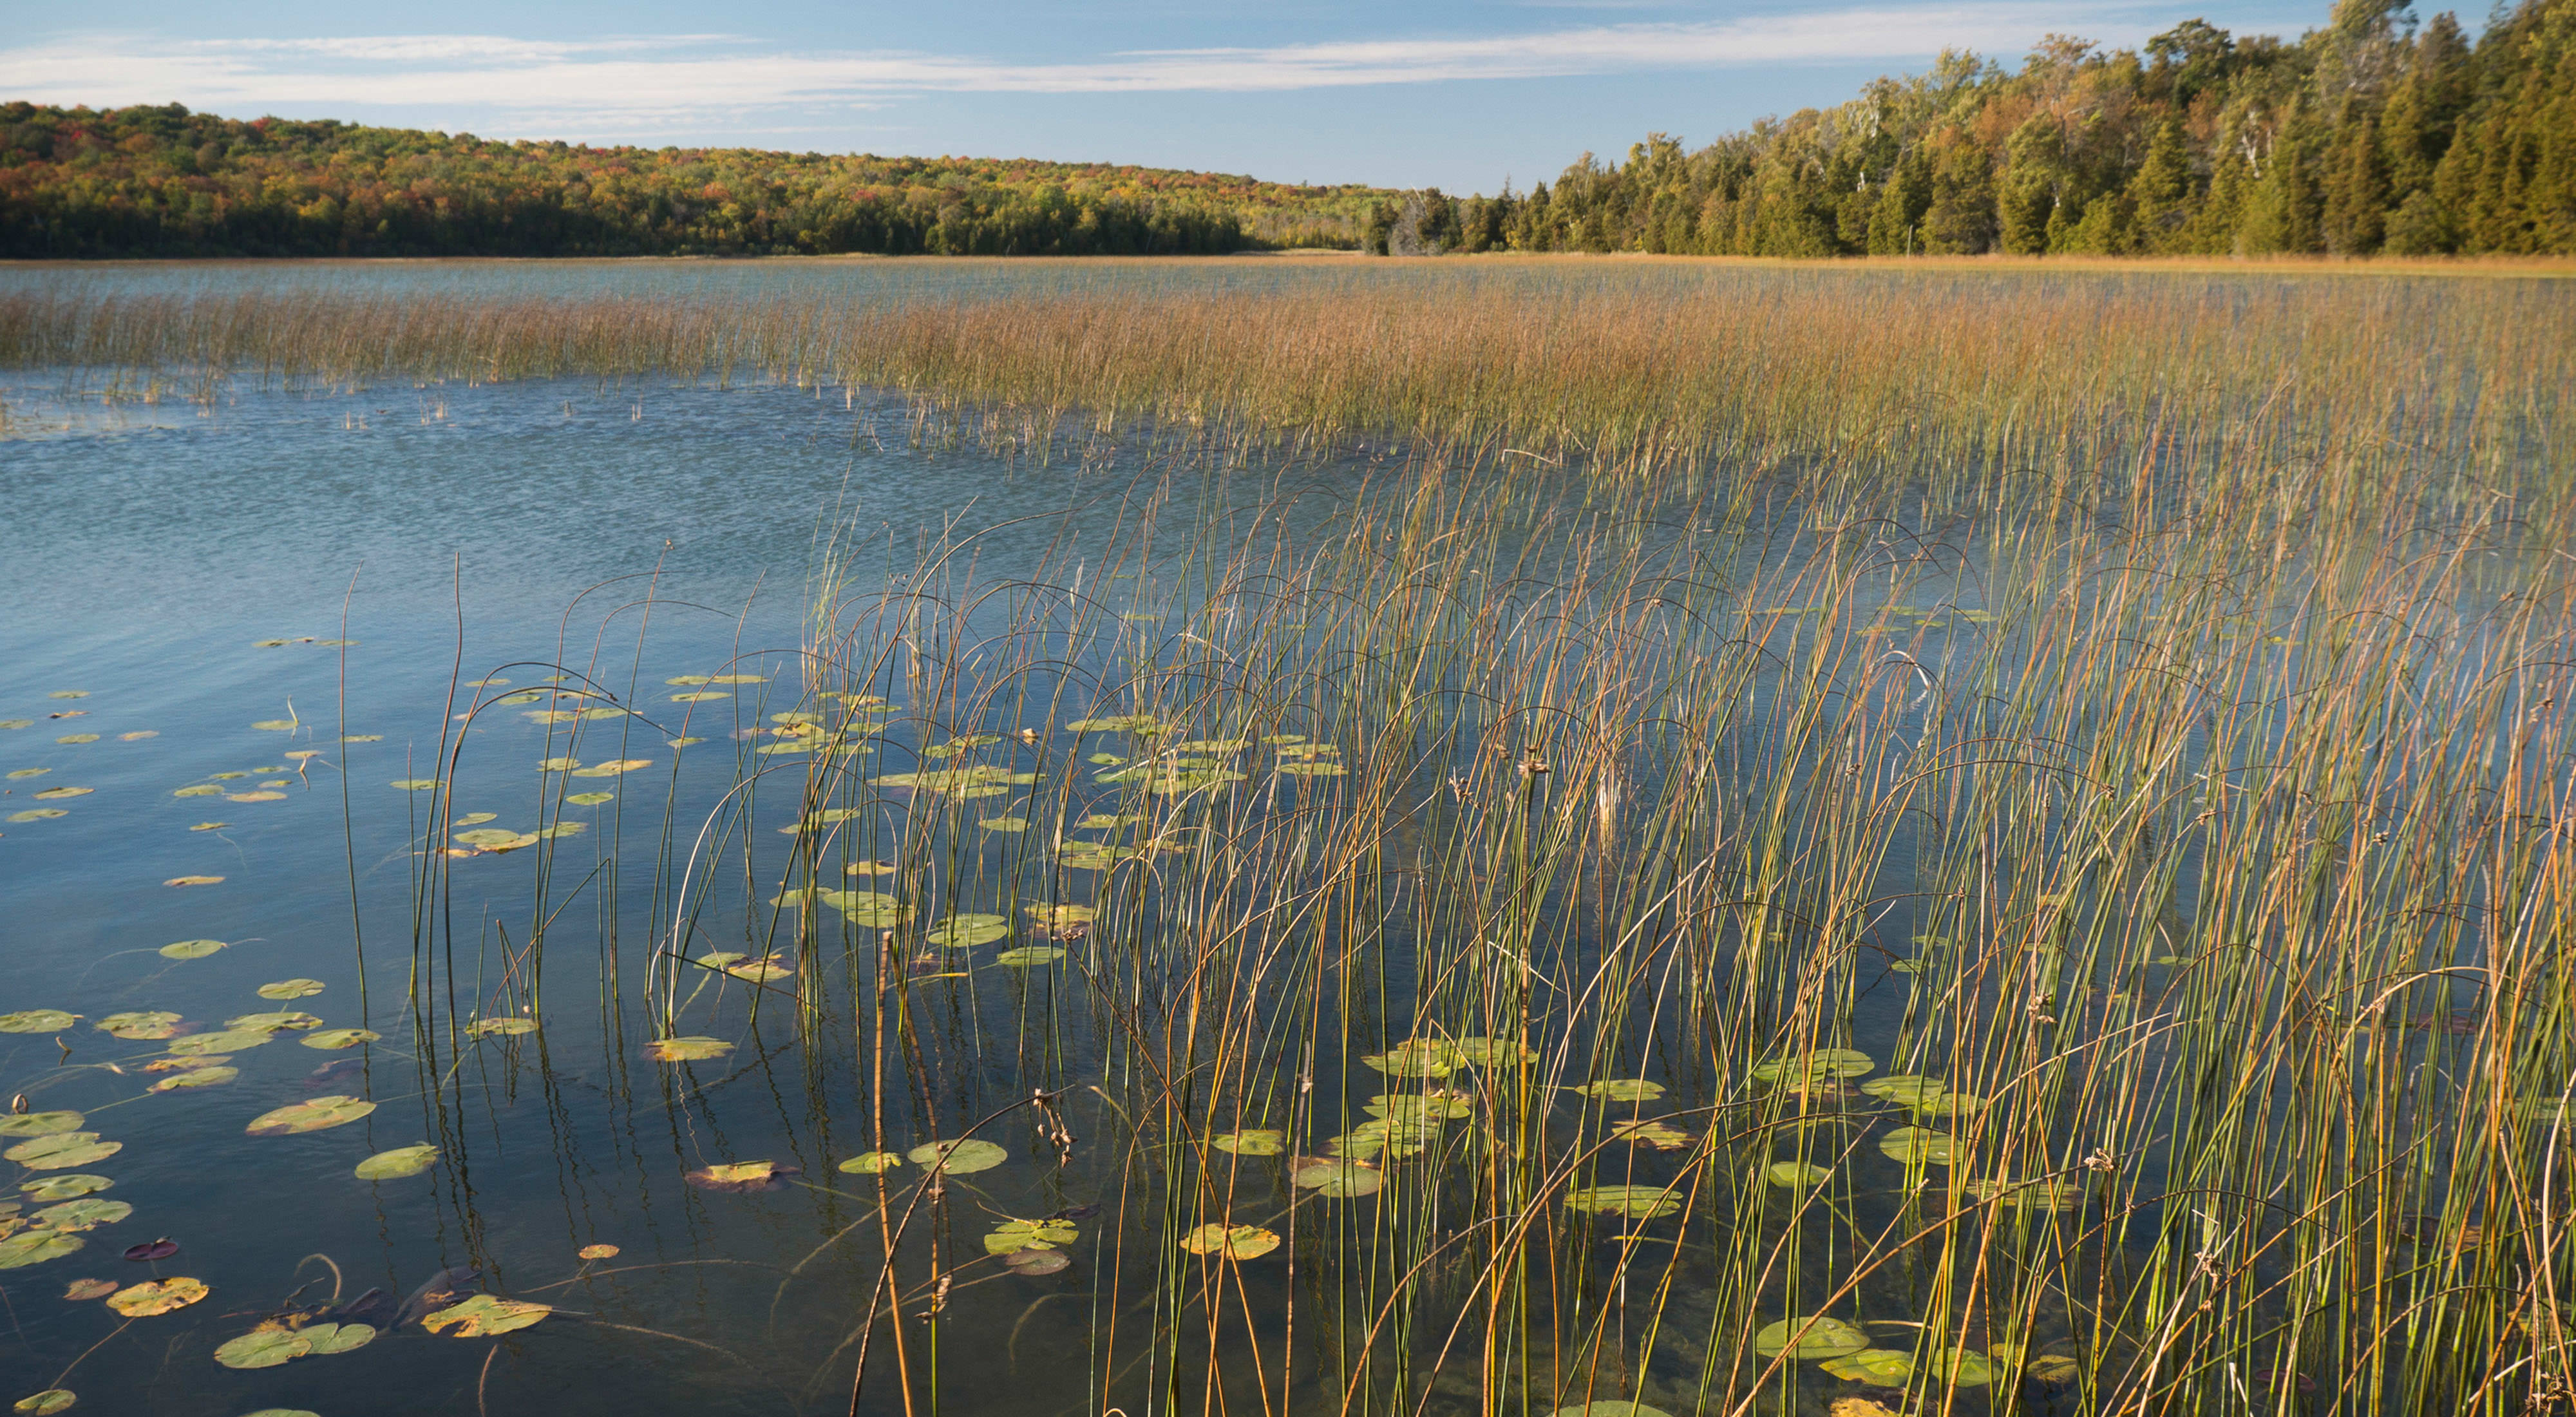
[(1879, 1367), (140, 1027), (869, 910), (690, 1049), (1491, 1052), (195, 1078), (81, 1291), (1013, 1236), (741, 1177), (1634, 1202), (1920, 1146), (489, 1027), (1028, 956), (63, 1188), (267, 1346), (56, 794), (869, 1163), (317, 1115), (1341, 1180), (340, 1038), (198, 1045), (156, 1296), (1416, 1058), (38, 814), (291, 989), (338, 1338), (1251, 1143), (191, 949), (1138, 723), (1235, 1242), (1037, 1262), (72, 1217), (959, 932), (1904, 1089), (1611, 1409), (1622, 1090), (37, 1021), (484, 1316), (1796, 1175), (46, 1403), (959, 1158), (1824, 1064), (194, 881), (613, 769), (1810, 1338), (598, 1252), (1960, 1367), (282, 1021), (415, 784), (64, 1149), (151, 1250), (35, 1247), (400, 1162), (39, 1124)]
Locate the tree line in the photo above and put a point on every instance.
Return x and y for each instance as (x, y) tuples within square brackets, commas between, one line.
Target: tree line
[(162, 181), (2375, 134)]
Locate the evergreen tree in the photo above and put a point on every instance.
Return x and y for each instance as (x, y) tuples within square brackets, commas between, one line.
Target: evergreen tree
[(2160, 193)]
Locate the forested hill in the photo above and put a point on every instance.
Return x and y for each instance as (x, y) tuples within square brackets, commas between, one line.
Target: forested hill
[(162, 181), (2374, 134)]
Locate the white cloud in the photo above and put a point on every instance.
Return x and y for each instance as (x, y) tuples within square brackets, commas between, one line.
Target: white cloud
[(663, 79)]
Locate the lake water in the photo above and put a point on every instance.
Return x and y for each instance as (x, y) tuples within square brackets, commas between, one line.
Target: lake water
[(1418, 877)]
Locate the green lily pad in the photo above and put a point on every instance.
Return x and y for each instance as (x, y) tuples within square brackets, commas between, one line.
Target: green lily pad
[(1879, 1367), (63, 1188), (340, 1038), (591, 799), (63, 1149), (39, 1124), (690, 1049), (38, 814), (46, 1403), (1905, 1089), (1437, 1105), (279, 1022), (191, 949), (1416, 1058), (35, 1247), (959, 932), (264, 1347), (1920, 1146), (869, 1163), (37, 1021), (415, 784), (1013, 1236), (1141, 723), (1251, 1143), (1796, 1175), (1028, 956), (1235, 1242), (490, 1027), (291, 989), (1821, 1065), (1622, 1090), (140, 1027), (73, 1216), (1491, 1052), (959, 1158), (487, 838), (197, 1045), (869, 910), (400, 1162), (1634, 1202), (1960, 1367), (338, 1338), (317, 1115), (1341, 1180), (196, 1077), (1810, 1338), (484, 1316)]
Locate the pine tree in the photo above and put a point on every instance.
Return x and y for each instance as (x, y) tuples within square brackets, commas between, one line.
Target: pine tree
[(2160, 192), (2356, 196), (1896, 220), (2034, 165), (1961, 219)]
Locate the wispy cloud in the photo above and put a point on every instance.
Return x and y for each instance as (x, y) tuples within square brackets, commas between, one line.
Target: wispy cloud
[(644, 78)]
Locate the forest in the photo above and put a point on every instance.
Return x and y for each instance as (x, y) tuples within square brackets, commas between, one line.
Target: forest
[(162, 181), (2377, 133)]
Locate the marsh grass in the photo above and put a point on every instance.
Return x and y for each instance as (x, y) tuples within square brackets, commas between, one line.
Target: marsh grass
[(2136, 709)]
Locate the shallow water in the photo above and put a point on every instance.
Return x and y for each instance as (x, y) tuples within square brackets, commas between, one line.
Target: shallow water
[(177, 577)]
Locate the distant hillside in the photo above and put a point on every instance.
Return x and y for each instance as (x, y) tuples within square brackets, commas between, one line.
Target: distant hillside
[(162, 181), (2373, 134)]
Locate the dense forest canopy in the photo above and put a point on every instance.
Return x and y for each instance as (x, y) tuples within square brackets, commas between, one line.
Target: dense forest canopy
[(162, 181), (2378, 133), (2374, 134)]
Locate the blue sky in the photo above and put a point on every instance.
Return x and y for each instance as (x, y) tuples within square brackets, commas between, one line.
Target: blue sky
[(1451, 94)]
